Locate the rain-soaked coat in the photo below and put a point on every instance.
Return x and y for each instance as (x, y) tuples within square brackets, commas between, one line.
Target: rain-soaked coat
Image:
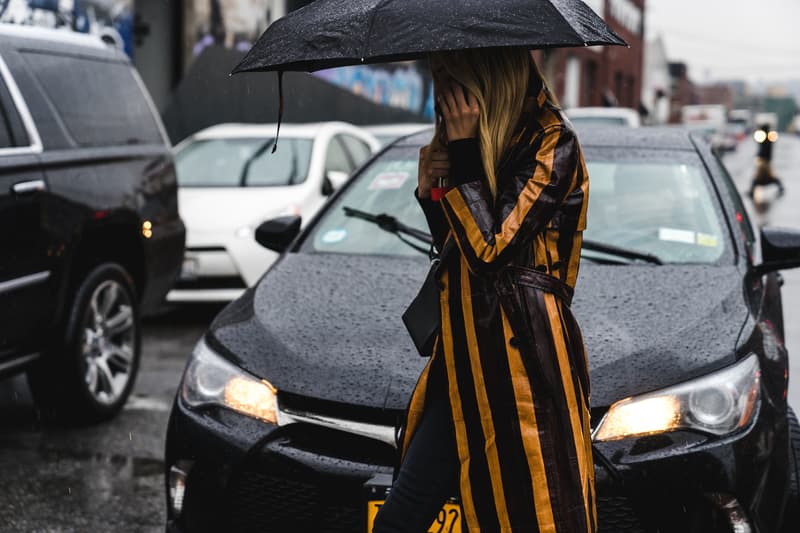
[(510, 352)]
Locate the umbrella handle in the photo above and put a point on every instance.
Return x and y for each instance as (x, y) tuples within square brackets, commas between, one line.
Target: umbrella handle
[(280, 109)]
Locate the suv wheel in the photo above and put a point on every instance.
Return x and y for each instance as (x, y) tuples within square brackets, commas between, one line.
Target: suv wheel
[(791, 519), (88, 377)]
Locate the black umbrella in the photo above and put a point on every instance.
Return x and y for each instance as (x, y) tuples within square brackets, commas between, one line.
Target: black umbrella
[(336, 33)]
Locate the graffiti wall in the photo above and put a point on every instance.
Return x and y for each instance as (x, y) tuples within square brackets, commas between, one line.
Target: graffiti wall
[(403, 85), (112, 20), (237, 24)]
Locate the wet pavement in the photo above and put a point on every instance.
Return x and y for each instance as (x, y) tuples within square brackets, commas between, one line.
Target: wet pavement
[(109, 477), (105, 478)]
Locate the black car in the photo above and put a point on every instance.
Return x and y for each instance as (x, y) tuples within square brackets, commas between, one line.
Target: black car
[(91, 235), (285, 418)]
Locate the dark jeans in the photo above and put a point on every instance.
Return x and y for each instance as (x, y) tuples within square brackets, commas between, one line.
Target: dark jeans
[(428, 475)]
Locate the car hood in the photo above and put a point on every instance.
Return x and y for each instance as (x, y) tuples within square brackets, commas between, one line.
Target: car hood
[(328, 327)]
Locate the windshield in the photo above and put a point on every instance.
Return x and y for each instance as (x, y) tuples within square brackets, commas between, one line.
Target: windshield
[(243, 162), (660, 207), (385, 186)]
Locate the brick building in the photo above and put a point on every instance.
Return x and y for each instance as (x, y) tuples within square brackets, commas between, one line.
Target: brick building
[(602, 76), (683, 91)]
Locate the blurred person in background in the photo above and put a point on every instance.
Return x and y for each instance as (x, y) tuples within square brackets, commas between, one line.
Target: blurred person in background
[(766, 137)]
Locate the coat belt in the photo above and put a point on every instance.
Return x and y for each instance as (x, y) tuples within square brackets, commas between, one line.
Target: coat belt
[(545, 282)]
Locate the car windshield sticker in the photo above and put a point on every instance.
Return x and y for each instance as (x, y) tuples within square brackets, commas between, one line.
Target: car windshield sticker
[(704, 239), (334, 236), (676, 235), (388, 181)]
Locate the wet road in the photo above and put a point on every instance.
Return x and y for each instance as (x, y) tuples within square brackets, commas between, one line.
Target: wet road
[(106, 478), (109, 477)]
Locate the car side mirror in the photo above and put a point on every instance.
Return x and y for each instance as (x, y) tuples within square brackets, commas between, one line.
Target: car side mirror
[(780, 249), (277, 234), (333, 180)]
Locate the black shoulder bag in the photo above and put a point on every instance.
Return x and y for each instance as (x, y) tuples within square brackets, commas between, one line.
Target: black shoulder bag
[(423, 318)]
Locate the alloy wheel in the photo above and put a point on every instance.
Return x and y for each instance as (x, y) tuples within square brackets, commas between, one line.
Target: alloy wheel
[(109, 336)]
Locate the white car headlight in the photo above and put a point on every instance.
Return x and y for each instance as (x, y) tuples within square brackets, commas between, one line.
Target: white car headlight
[(719, 404), (212, 380)]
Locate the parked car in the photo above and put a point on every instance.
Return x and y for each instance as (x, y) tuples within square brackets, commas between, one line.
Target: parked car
[(285, 418), (88, 205), (388, 133), (582, 117), (230, 182)]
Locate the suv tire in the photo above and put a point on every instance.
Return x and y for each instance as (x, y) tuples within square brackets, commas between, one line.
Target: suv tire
[(791, 515), (88, 374)]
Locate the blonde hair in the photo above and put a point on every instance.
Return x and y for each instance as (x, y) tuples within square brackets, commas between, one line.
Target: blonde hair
[(498, 80)]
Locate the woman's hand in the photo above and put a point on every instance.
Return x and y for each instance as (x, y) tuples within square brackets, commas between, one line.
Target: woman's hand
[(461, 113), (432, 165)]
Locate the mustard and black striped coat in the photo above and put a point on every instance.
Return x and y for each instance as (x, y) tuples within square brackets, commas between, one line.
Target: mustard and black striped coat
[(510, 352)]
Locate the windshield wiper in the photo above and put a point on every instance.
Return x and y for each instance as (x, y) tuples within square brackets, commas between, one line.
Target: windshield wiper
[(247, 164), (618, 251), (390, 224)]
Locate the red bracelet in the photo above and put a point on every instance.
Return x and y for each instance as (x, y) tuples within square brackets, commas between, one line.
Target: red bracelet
[(437, 193)]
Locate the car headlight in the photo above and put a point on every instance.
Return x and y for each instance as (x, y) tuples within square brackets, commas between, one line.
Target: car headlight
[(719, 404), (211, 380)]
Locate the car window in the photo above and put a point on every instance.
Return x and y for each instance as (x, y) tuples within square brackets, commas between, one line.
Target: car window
[(358, 149), (655, 204), (741, 212), (99, 102), (660, 205), (9, 117), (5, 131), (243, 161), (337, 159)]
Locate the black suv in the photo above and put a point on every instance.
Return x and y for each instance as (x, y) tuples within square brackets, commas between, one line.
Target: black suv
[(91, 235)]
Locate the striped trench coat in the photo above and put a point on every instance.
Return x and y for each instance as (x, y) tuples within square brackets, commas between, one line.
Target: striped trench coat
[(510, 352)]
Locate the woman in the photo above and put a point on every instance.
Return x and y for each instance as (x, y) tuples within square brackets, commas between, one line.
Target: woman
[(501, 412)]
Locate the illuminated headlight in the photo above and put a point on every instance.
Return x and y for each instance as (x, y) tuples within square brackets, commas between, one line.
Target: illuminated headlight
[(718, 404), (211, 380)]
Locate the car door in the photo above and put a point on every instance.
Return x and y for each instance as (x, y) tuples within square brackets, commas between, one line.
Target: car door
[(25, 296)]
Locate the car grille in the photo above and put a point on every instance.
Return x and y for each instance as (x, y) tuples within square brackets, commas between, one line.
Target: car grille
[(615, 514), (275, 492), (260, 502), (271, 493)]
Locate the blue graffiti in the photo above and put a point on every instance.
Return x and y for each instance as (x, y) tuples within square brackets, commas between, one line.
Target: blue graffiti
[(402, 87)]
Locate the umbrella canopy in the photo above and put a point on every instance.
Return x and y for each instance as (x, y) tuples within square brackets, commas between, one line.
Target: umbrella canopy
[(336, 33)]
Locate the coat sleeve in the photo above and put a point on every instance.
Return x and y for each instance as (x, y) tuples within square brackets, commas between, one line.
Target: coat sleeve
[(488, 232), (436, 220)]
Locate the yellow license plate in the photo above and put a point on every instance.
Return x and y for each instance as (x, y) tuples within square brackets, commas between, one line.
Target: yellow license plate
[(448, 521)]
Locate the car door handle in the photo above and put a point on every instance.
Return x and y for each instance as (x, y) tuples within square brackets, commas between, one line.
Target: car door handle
[(23, 188)]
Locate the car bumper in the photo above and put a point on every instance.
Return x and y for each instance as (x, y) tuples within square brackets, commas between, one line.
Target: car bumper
[(203, 295), (249, 476), (208, 276)]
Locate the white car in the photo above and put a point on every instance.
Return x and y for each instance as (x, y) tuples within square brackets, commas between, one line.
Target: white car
[(388, 133), (230, 182), (604, 116)]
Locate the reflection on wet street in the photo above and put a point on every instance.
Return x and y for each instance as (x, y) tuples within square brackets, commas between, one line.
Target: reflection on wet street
[(102, 478)]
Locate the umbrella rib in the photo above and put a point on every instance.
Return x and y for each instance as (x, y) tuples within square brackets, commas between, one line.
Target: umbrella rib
[(378, 6), (569, 23)]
